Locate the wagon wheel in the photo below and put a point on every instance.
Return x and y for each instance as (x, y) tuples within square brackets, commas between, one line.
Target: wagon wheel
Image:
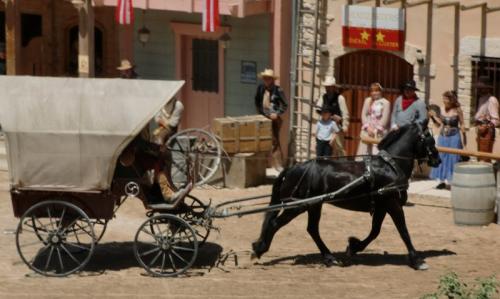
[(47, 241), (194, 150), (169, 249), (193, 212)]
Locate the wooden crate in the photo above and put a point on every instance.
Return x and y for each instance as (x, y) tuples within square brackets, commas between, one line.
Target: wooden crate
[(244, 134)]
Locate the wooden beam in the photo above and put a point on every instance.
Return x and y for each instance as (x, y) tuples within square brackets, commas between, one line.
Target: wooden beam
[(13, 36), (86, 43), (447, 150)]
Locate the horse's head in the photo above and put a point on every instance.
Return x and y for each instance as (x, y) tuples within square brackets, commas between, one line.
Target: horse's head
[(426, 145), (413, 140)]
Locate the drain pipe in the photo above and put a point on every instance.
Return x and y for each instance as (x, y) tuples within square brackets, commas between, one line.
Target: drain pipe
[(293, 79)]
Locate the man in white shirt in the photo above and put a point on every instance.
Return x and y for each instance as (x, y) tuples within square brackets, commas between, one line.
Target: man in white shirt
[(487, 115)]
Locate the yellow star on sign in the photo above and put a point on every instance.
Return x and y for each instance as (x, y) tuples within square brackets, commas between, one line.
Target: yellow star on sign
[(365, 35), (380, 36)]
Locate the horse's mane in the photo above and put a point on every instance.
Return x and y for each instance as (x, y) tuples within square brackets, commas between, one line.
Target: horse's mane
[(392, 137)]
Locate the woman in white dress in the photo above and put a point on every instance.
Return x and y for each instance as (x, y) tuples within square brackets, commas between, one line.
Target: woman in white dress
[(375, 118)]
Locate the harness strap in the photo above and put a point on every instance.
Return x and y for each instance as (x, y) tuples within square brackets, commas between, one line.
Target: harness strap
[(398, 185)]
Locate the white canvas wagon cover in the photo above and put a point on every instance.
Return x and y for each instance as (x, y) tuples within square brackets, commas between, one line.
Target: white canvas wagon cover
[(67, 133)]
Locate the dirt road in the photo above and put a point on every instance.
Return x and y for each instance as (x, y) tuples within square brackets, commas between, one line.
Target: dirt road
[(291, 269)]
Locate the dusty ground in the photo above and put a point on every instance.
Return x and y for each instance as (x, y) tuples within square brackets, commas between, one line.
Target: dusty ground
[(292, 268)]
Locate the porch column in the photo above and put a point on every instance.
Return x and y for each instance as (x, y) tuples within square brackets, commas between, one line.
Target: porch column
[(126, 42), (86, 43), (12, 36)]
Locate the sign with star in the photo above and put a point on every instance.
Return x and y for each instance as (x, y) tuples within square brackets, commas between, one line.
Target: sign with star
[(368, 27)]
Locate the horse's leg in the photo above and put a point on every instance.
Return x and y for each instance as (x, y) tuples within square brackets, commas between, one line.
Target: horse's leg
[(355, 245), (262, 245), (314, 214), (398, 216)]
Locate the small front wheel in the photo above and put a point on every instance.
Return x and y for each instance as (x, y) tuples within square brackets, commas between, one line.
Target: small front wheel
[(165, 245)]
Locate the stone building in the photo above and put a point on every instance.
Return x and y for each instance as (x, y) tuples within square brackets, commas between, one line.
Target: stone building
[(445, 45)]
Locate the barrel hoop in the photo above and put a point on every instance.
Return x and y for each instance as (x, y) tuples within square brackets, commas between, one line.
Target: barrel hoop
[(475, 170), (473, 210), (473, 186)]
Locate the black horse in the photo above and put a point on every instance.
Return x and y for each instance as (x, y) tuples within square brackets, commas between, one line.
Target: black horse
[(382, 191)]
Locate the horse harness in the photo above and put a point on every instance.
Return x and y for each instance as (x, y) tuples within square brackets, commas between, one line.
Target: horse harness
[(399, 185)]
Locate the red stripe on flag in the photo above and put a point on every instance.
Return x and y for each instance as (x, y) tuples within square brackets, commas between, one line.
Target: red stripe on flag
[(216, 15)]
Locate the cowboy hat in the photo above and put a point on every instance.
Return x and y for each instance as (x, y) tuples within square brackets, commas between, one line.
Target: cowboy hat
[(125, 65), (483, 82), (329, 81), (410, 85), (269, 73)]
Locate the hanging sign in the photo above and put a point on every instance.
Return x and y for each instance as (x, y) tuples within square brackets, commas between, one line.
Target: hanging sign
[(368, 27)]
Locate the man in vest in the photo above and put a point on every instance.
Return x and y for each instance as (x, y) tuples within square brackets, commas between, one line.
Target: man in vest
[(340, 114), (487, 115), (270, 101)]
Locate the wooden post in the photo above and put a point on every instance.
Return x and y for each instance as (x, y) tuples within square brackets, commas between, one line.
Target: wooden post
[(448, 150), (12, 36), (86, 43)]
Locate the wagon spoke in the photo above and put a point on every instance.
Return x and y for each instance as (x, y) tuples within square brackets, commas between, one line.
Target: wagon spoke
[(49, 258), (163, 262), (174, 267), (50, 218), (61, 219), (70, 255), (183, 248), (155, 259), (78, 246), (150, 251), (32, 243), (179, 257), (60, 259)]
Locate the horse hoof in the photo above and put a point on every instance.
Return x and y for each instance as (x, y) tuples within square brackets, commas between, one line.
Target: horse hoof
[(254, 256), (329, 260), (420, 266), (352, 247)]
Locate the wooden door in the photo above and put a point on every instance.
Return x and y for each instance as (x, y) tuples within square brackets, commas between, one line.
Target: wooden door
[(356, 71), (203, 94)]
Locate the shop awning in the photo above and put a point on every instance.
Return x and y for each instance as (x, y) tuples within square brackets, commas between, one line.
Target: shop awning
[(235, 8)]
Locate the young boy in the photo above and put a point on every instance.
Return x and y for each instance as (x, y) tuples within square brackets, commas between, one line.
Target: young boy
[(326, 132)]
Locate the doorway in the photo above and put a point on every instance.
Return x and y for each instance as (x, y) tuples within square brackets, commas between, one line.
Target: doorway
[(203, 71), (356, 71), (72, 50)]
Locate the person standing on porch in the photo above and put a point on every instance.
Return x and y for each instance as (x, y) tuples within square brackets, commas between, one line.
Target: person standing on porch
[(127, 70), (408, 107), (450, 119), (340, 114), (270, 101), (375, 117), (486, 117)]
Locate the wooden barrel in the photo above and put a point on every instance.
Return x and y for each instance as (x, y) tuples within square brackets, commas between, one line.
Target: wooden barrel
[(473, 193)]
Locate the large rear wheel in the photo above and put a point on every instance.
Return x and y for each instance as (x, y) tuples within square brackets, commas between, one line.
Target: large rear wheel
[(55, 238)]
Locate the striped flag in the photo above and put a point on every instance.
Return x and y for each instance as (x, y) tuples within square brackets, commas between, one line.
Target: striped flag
[(124, 13), (210, 15)]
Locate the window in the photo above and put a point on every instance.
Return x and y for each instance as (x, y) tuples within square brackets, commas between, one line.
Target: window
[(485, 66), (205, 65), (31, 27)]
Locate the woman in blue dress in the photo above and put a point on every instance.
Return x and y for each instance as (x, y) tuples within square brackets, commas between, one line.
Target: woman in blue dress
[(451, 123)]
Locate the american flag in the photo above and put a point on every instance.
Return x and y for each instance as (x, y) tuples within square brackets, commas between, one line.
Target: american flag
[(210, 15), (124, 13)]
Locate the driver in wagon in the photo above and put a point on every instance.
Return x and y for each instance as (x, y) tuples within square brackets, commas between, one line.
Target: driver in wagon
[(149, 156)]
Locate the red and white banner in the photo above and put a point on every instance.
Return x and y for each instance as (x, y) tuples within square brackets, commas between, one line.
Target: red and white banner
[(210, 15), (124, 13), (373, 27)]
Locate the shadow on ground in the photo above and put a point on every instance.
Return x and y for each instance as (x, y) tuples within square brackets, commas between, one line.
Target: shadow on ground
[(367, 259), (116, 256)]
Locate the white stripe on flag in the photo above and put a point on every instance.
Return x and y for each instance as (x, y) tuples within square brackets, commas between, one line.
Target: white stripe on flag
[(204, 20), (212, 16)]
